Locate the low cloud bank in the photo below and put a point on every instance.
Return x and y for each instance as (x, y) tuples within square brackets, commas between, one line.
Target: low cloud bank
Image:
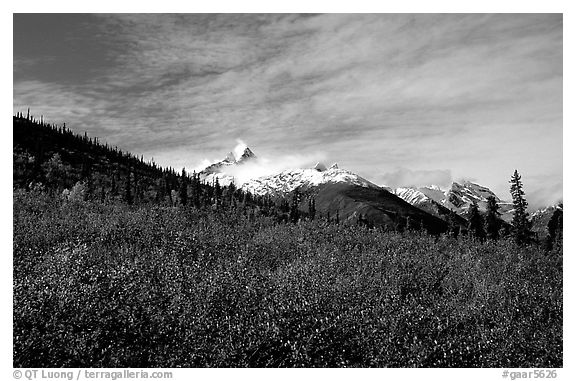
[(404, 177), (262, 165)]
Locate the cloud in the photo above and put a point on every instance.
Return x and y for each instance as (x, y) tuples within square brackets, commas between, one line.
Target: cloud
[(265, 165), (549, 194), (404, 177), (543, 190), (465, 92), (239, 149)]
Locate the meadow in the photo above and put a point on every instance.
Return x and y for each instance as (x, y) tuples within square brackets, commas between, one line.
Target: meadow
[(110, 285)]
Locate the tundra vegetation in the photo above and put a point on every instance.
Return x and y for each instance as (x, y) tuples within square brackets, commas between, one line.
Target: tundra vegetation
[(109, 273)]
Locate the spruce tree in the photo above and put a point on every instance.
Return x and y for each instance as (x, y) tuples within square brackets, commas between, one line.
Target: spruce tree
[(312, 208), (196, 190), (217, 192), (555, 229), (453, 224), (183, 190), (231, 192), (521, 227), (294, 212), (475, 223), (493, 221)]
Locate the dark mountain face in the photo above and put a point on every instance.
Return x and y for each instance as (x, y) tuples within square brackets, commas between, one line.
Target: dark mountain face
[(438, 210), (379, 207), (246, 155), (542, 217)]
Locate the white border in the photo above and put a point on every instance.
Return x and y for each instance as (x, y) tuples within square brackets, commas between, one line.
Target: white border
[(304, 6)]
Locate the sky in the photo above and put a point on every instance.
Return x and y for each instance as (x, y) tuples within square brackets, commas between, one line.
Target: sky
[(400, 99)]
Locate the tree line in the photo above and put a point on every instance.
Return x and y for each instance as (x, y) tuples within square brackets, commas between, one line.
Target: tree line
[(491, 226), (80, 167)]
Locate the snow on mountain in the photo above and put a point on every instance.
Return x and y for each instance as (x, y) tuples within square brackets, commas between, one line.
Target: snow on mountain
[(541, 217), (457, 198), (287, 181), (411, 195), (278, 183), (240, 155), (463, 195), (544, 211)]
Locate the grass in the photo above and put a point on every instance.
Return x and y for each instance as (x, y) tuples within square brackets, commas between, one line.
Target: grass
[(99, 285)]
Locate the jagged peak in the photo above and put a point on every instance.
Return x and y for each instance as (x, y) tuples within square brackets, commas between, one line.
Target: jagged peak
[(320, 167), (246, 154), (240, 153), (334, 166)]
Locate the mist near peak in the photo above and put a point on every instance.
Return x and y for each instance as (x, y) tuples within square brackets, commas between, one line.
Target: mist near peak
[(262, 165), (239, 149)]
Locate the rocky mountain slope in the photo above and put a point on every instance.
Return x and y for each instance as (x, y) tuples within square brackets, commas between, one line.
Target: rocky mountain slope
[(341, 191), (457, 198), (541, 217), (338, 193), (355, 203), (289, 180)]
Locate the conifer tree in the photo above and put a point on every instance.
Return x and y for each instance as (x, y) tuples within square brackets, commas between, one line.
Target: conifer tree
[(555, 226), (475, 223), (232, 189), (183, 190), (196, 190), (312, 208), (294, 212), (453, 224), (493, 221), (521, 227), (217, 192)]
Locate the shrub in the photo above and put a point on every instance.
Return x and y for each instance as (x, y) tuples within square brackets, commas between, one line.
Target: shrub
[(111, 285)]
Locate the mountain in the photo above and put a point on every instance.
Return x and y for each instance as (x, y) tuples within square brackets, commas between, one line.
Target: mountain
[(541, 217), (338, 193), (289, 180), (376, 206), (457, 198), (240, 155), (281, 183), (429, 200)]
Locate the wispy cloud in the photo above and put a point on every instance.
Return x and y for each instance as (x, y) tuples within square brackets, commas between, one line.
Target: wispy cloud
[(473, 93), (266, 165), (416, 178)]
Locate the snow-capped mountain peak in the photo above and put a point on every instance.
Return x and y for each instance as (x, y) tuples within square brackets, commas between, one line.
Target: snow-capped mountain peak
[(245, 154), (549, 209), (241, 154), (288, 180), (284, 182), (457, 198)]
